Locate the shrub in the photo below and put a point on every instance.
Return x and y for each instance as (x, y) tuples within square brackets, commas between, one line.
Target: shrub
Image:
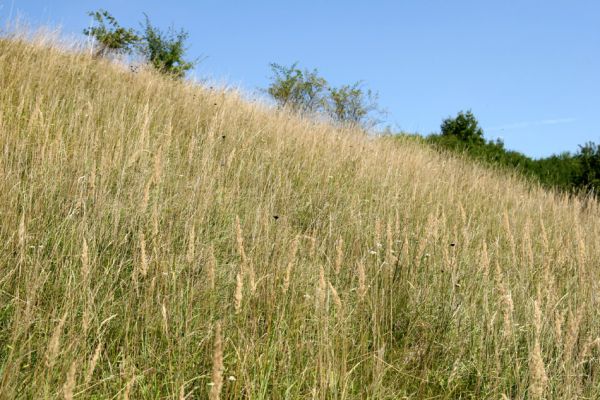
[(351, 104), (299, 90), (305, 91), (110, 37), (589, 162), (165, 51), (464, 127)]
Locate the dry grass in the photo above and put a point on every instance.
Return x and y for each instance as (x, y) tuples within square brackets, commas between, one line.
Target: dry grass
[(138, 247)]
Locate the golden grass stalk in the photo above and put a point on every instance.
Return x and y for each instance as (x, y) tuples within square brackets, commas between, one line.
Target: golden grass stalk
[(336, 297), (312, 250), (157, 166), (85, 262), (238, 296), (240, 241), (155, 220), (378, 234), (362, 280), (211, 266), (321, 289), (246, 265), (69, 385), (558, 327), (143, 256), (251, 277), (163, 310), (509, 235), (21, 232), (146, 195), (191, 250), (92, 364), (339, 259), (537, 371), (505, 302), (390, 258), (217, 371), (290, 264), (572, 334), (128, 388), (54, 343), (587, 349)]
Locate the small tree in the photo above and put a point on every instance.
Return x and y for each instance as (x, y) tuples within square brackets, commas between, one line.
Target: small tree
[(299, 90), (464, 127), (111, 38), (166, 51), (352, 105), (589, 162)]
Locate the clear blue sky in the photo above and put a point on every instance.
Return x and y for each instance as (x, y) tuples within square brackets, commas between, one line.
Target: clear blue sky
[(529, 70)]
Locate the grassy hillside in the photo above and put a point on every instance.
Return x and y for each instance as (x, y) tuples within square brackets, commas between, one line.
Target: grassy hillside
[(159, 239)]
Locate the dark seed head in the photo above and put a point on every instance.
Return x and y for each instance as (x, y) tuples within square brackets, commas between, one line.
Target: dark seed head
[(276, 217), (223, 137)]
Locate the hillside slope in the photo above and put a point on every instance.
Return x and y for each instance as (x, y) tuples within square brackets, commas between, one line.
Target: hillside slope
[(158, 238)]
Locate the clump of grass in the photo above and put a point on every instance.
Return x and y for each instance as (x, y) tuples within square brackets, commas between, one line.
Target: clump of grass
[(138, 210)]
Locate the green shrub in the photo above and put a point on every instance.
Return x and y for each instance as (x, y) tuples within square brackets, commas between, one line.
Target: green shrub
[(110, 37), (464, 127), (351, 104), (296, 89), (305, 91), (589, 161), (165, 51)]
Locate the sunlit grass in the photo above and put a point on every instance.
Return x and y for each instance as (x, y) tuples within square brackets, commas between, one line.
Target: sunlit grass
[(164, 240)]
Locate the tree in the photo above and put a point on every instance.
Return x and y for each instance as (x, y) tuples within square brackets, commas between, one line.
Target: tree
[(165, 51), (301, 91), (464, 127), (111, 38), (589, 161), (352, 105)]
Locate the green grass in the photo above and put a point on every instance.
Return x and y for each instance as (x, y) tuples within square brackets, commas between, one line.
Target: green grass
[(151, 175)]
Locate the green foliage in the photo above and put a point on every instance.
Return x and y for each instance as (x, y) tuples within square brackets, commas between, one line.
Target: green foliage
[(305, 91), (296, 89), (165, 51), (568, 172), (111, 38), (464, 127), (559, 171), (589, 161), (351, 104)]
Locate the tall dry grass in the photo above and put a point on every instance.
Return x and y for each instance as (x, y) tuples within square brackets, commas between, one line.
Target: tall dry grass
[(141, 258)]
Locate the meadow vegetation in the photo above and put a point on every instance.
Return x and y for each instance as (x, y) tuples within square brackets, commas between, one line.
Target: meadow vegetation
[(577, 172), (161, 239)]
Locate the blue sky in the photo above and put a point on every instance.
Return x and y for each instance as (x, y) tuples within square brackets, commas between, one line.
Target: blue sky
[(529, 70)]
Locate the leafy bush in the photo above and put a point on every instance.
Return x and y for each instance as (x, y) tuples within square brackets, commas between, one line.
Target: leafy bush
[(111, 38), (305, 91), (165, 51), (296, 89), (464, 127), (589, 161), (351, 104)]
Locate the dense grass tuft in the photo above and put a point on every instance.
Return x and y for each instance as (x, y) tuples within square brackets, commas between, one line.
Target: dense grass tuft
[(141, 258)]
